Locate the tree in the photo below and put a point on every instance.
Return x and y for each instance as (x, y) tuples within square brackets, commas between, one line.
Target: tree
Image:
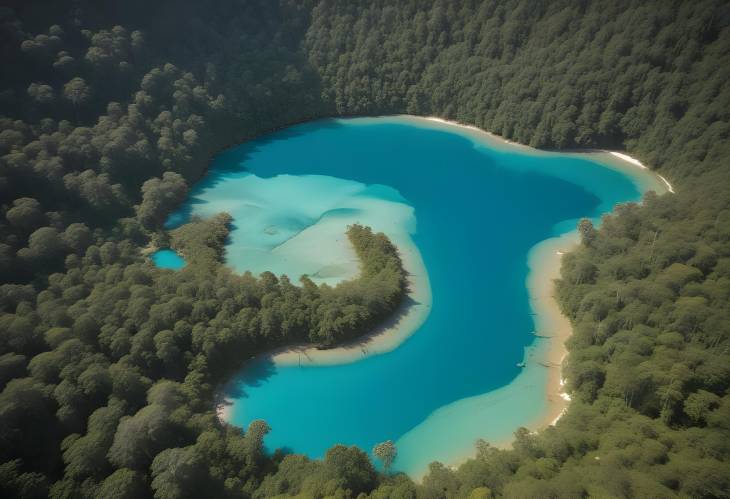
[(14, 483), (177, 474), (26, 407), (40, 93), (77, 91), (159, 197), (97, 192), (386, 452), (11, 366), (441, 480), (351, 467), (45, 247), (587, 232), (26, 214), (254, 440), (77, 237), (86, 457), (140, 437), (699, 404), (123, 484)]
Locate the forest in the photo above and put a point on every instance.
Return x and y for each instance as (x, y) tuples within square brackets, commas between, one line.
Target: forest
[(110, 112)]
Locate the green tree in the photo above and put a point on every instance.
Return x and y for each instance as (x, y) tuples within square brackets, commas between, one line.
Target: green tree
[(26, 214), (699, 404), (77, 92), (123, 484), (177, 473), (159, 197), (586, 231), (386, 452), (351, 468)]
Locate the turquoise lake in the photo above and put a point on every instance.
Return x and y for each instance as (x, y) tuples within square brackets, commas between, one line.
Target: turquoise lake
[(473, 207), (168, 259)]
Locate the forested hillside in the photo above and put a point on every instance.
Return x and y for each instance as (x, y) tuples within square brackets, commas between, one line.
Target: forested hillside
[(109, 112)]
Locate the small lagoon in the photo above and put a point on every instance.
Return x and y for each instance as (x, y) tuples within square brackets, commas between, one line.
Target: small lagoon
[(168, 259), (470, 208)]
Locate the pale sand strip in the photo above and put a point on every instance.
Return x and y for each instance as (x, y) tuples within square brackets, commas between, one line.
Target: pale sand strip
[(544, 263), (406, 320), (544, 266), (669, 186), (409, 317), (646, 179), (638, 163), (628, 158)]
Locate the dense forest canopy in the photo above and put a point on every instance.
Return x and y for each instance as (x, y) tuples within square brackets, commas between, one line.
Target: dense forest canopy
[(110, 111)]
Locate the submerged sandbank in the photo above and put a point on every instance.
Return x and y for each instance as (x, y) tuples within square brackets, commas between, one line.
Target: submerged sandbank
[(409, 317), (482, 416), (415, 310), (552, 329), (617, 160), (544, 259), (533, 398)]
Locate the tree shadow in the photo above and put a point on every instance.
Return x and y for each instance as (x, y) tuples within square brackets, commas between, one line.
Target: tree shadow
[(391, 322), (253, 374), (234, 158)]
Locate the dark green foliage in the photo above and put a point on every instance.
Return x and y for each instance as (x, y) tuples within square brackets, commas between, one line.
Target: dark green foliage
[(159, 197), (109, 366), (202, 242)]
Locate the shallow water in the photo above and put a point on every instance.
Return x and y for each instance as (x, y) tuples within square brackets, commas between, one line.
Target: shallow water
[(474, 209), (168, 259)]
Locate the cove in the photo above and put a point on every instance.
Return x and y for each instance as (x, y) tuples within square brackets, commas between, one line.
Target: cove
[(471, 208)]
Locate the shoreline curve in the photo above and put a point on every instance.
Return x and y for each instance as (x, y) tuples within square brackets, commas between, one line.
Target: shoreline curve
[(544, 261), (387, 337)]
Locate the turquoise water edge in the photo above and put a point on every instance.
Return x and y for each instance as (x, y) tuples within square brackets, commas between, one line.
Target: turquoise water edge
[(168, 259), (473, 206)]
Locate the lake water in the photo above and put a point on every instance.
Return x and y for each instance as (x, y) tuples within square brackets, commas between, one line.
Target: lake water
[(168, 259), (473, 206)]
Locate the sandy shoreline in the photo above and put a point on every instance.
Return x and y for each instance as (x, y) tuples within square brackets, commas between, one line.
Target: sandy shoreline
[(544, 261), (409, 317), (553, 328), (542, 370), (614, 159)]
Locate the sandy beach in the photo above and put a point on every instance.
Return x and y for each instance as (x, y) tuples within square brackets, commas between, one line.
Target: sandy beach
[(544, 261), (479, 413), (544, 264), (476, 414), (648, 179), (409, 317), (406, 321)]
